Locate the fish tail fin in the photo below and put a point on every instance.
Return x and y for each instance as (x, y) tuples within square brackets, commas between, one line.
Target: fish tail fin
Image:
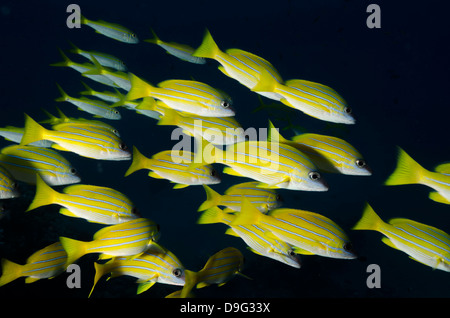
[(408, 171), (212, 199), (170, 118), (208, 48), (205, 153), (274, 134), (211, 216), (147, 103), (51, 118), (65, 62), (32, 131), (191, 279), (64, 96), (83, 19), (74, 249), (249, 214), (75, 49), (139, 88), (137, 163), (266, 82), (98, 68), (88, 91), (155, 39), (10, 271), (45, 195), (99, 272), (369, 220)]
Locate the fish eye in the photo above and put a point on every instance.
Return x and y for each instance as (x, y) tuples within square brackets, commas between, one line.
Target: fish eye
[(14, 185), (177, 272), (116, 112), (133, 35), (278, 197), (360, 163), (225, 104), (291, 253), (314, 175), (347, 110), (348, 247), (123, 146), (213, 173), (73, 171)]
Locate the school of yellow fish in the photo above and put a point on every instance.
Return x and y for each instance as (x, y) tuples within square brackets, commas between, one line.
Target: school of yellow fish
[(251, 210)]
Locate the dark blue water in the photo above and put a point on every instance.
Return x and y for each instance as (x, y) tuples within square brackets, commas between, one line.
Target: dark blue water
[(395, 78)]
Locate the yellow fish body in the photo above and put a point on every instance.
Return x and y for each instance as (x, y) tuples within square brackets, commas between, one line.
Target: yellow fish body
[(155, 265), (423, 243), (245, 67), (329, 154), (183, 95), (216, 130), (60, 123), (274, 165), (45, 263), (90, 143), (92, 203), (308, 232), (408, 171), (256, 237), (174, 166), (25, 163), (263, 199), (125, 239), (219, 269), (314, 99)]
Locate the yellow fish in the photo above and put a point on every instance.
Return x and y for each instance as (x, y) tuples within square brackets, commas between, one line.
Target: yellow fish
[(93, 203), (155, 265), (182, 51), (45, 263), (59, 123), (245, 67), (329, 154), (25, 163), (423, 243), (112, 30), (88, 142), (219, 269), (188, 96), (174, 166), (314, 99), (309, 232), (263, 199), (408, 171), (131, 238), (256, 237), (274, 165)]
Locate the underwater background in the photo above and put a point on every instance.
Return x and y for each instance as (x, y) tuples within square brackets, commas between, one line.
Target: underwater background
[(395, 78)]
